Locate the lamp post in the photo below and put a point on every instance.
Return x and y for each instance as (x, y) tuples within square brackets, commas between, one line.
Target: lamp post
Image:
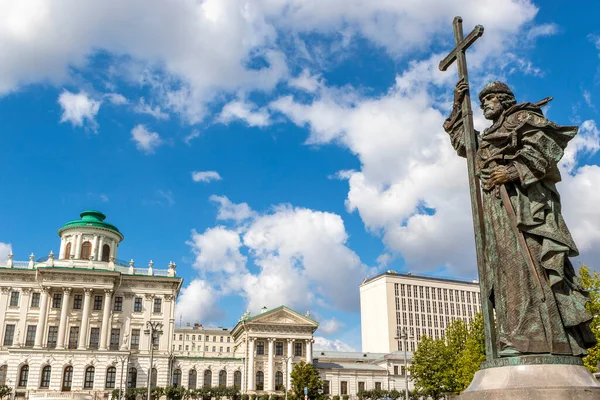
[(287, 376), (122, 359), (405, 338), (153, 329)]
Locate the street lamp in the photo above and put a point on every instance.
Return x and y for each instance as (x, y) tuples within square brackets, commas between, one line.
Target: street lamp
[(405, 338), (287, 376), (153, 329), (122, 359)]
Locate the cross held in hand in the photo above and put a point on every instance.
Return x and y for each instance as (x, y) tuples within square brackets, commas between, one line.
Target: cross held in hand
[(462, 44)]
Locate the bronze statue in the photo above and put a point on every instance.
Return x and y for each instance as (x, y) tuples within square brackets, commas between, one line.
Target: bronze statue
[(538, 299)]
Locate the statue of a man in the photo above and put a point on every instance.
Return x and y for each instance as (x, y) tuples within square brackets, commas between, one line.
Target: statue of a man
[(541, 312)]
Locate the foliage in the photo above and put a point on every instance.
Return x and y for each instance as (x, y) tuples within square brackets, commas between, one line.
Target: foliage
[(253, 396), (473, 354), (245, 397), (428, 369), (175, 392), (5, 391), (263, 397), (336, 397), (306, 375), (590, 280), (345, 397)]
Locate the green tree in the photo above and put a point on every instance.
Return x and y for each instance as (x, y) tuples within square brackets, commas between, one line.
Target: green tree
[(473, 354), (428, 369), (306, 375), (5, 391), (590, 280)]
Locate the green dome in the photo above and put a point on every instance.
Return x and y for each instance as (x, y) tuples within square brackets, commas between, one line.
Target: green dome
[(91, 218)]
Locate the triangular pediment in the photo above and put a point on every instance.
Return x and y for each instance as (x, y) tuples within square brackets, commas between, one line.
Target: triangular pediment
[(282, 316)]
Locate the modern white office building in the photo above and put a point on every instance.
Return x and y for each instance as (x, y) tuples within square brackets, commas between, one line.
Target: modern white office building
[(391, 302)]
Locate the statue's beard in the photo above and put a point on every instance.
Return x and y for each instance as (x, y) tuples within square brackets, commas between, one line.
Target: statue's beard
[(492, 113)]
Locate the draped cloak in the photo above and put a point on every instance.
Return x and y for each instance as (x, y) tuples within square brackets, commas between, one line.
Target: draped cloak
[(558, 324)]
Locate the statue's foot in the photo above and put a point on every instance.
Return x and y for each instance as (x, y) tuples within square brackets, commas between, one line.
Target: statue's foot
[(509, 352)]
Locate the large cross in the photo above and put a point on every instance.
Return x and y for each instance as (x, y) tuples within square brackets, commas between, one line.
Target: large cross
[(470, 138)]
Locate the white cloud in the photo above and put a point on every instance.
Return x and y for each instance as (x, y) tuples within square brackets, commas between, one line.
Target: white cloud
[(144, 108), (104, 198), (193, 135), (145, 141), (78, 109), (542, 30), (198, 302), (324, 344), (330, 326), (5, 250), (231, 211), (244, 111), (205, 176), (116, 98), (218, 250), (305, 81)]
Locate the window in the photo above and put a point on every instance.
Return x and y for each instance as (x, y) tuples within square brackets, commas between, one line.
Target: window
[(14, 299), (395, 370), (326, 385), (105, 253), (23, 376), (298, 349), (278, 348), (205, 348), (73, 337), (207, 378), (30, 338), (135, 339), (94, 337), (157, 305), (56, 300), (132, 377), (153, 377), (222, 378), (35, 300), (220, 349), (377, 385), (344, 384), (221, 339), (3, 370), (9, 334), (228, 349), (194, 337), (86, 250), (237, 379), (67, 380), (207, 338), (52, 335), (278, 380), (177, 377), (118, 306), (45, 379), (88, 381), (137, 305), (214, 338), (228, 339), (214, 348), (192, 378), (260, 380), (67, 254), (115, 336), (361, 387), (77, 300), (260, 347)]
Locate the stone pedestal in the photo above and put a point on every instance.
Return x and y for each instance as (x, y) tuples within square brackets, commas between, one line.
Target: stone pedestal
[(527, 378)]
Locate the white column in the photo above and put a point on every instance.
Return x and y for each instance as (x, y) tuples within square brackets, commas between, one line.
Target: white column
[(270, 372), (309, 351), (41, 326), (95, 247), (87, 305), (62, 327), (113, 249), (290, 353), (251, 364), (62, 248), (22, 324), (77, 243), (4, 299), (99, 252), (104, 331)]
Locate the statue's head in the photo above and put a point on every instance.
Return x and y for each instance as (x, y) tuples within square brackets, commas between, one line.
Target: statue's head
[(495, 98)]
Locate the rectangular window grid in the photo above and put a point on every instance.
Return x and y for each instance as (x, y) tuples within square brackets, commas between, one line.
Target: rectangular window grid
[(35, 300), (94, 338), (9, 334), (52, 335), (135, 339), (115, 335), (77, 300), (14, 299), (118, 306), (97, 303), (138, 305), (56, 300), (30, 338), (157, 305), (73, 337)]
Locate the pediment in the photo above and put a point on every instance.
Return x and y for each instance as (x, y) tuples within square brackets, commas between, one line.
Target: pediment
[(283, 316)]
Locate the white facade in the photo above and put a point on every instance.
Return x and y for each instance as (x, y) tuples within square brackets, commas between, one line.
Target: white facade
[(391, 302)]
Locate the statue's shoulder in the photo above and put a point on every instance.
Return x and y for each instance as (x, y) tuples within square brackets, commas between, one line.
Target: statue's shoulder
[(525, 114)]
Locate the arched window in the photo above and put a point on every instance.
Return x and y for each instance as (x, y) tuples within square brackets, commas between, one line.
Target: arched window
[(132, 377), (45, 378), (260, 380), (177, 377), (192, 378), (67, 254), (88, 381), (86, 250), (3, 374), (222, 378), (67, 380), (207, 378), (105, 252), (153, 378), (237, 379), (23, 376), (111, 378), (278, 380)]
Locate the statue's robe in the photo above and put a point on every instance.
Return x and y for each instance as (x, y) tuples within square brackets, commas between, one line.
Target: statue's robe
[(559, 324)]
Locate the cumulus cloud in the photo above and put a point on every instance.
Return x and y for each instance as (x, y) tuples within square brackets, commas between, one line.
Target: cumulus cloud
[(79, 109), (193, 135), (198, 302), (330, 326), (205, 176), (116, 98), (145, 140), (144, 108), (5, 250), (231, 211), (305, 81), (239, 110), (324, 344)]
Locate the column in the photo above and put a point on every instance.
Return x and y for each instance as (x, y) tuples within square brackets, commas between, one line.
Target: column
[(77, 244), (113, 249), (309, 343), (290, 354), (99, 252), (4, 298), (270, 372), (62, 248), (251, 364), (22, 324), (41, 326), (169, 320), (104, 331), (95, 247), (87, 305), (62, 327)]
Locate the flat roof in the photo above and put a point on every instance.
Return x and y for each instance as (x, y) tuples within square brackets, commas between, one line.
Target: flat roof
[(413, 276)]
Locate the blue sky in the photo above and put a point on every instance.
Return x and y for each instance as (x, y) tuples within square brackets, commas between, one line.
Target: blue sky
[(279, 151)]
